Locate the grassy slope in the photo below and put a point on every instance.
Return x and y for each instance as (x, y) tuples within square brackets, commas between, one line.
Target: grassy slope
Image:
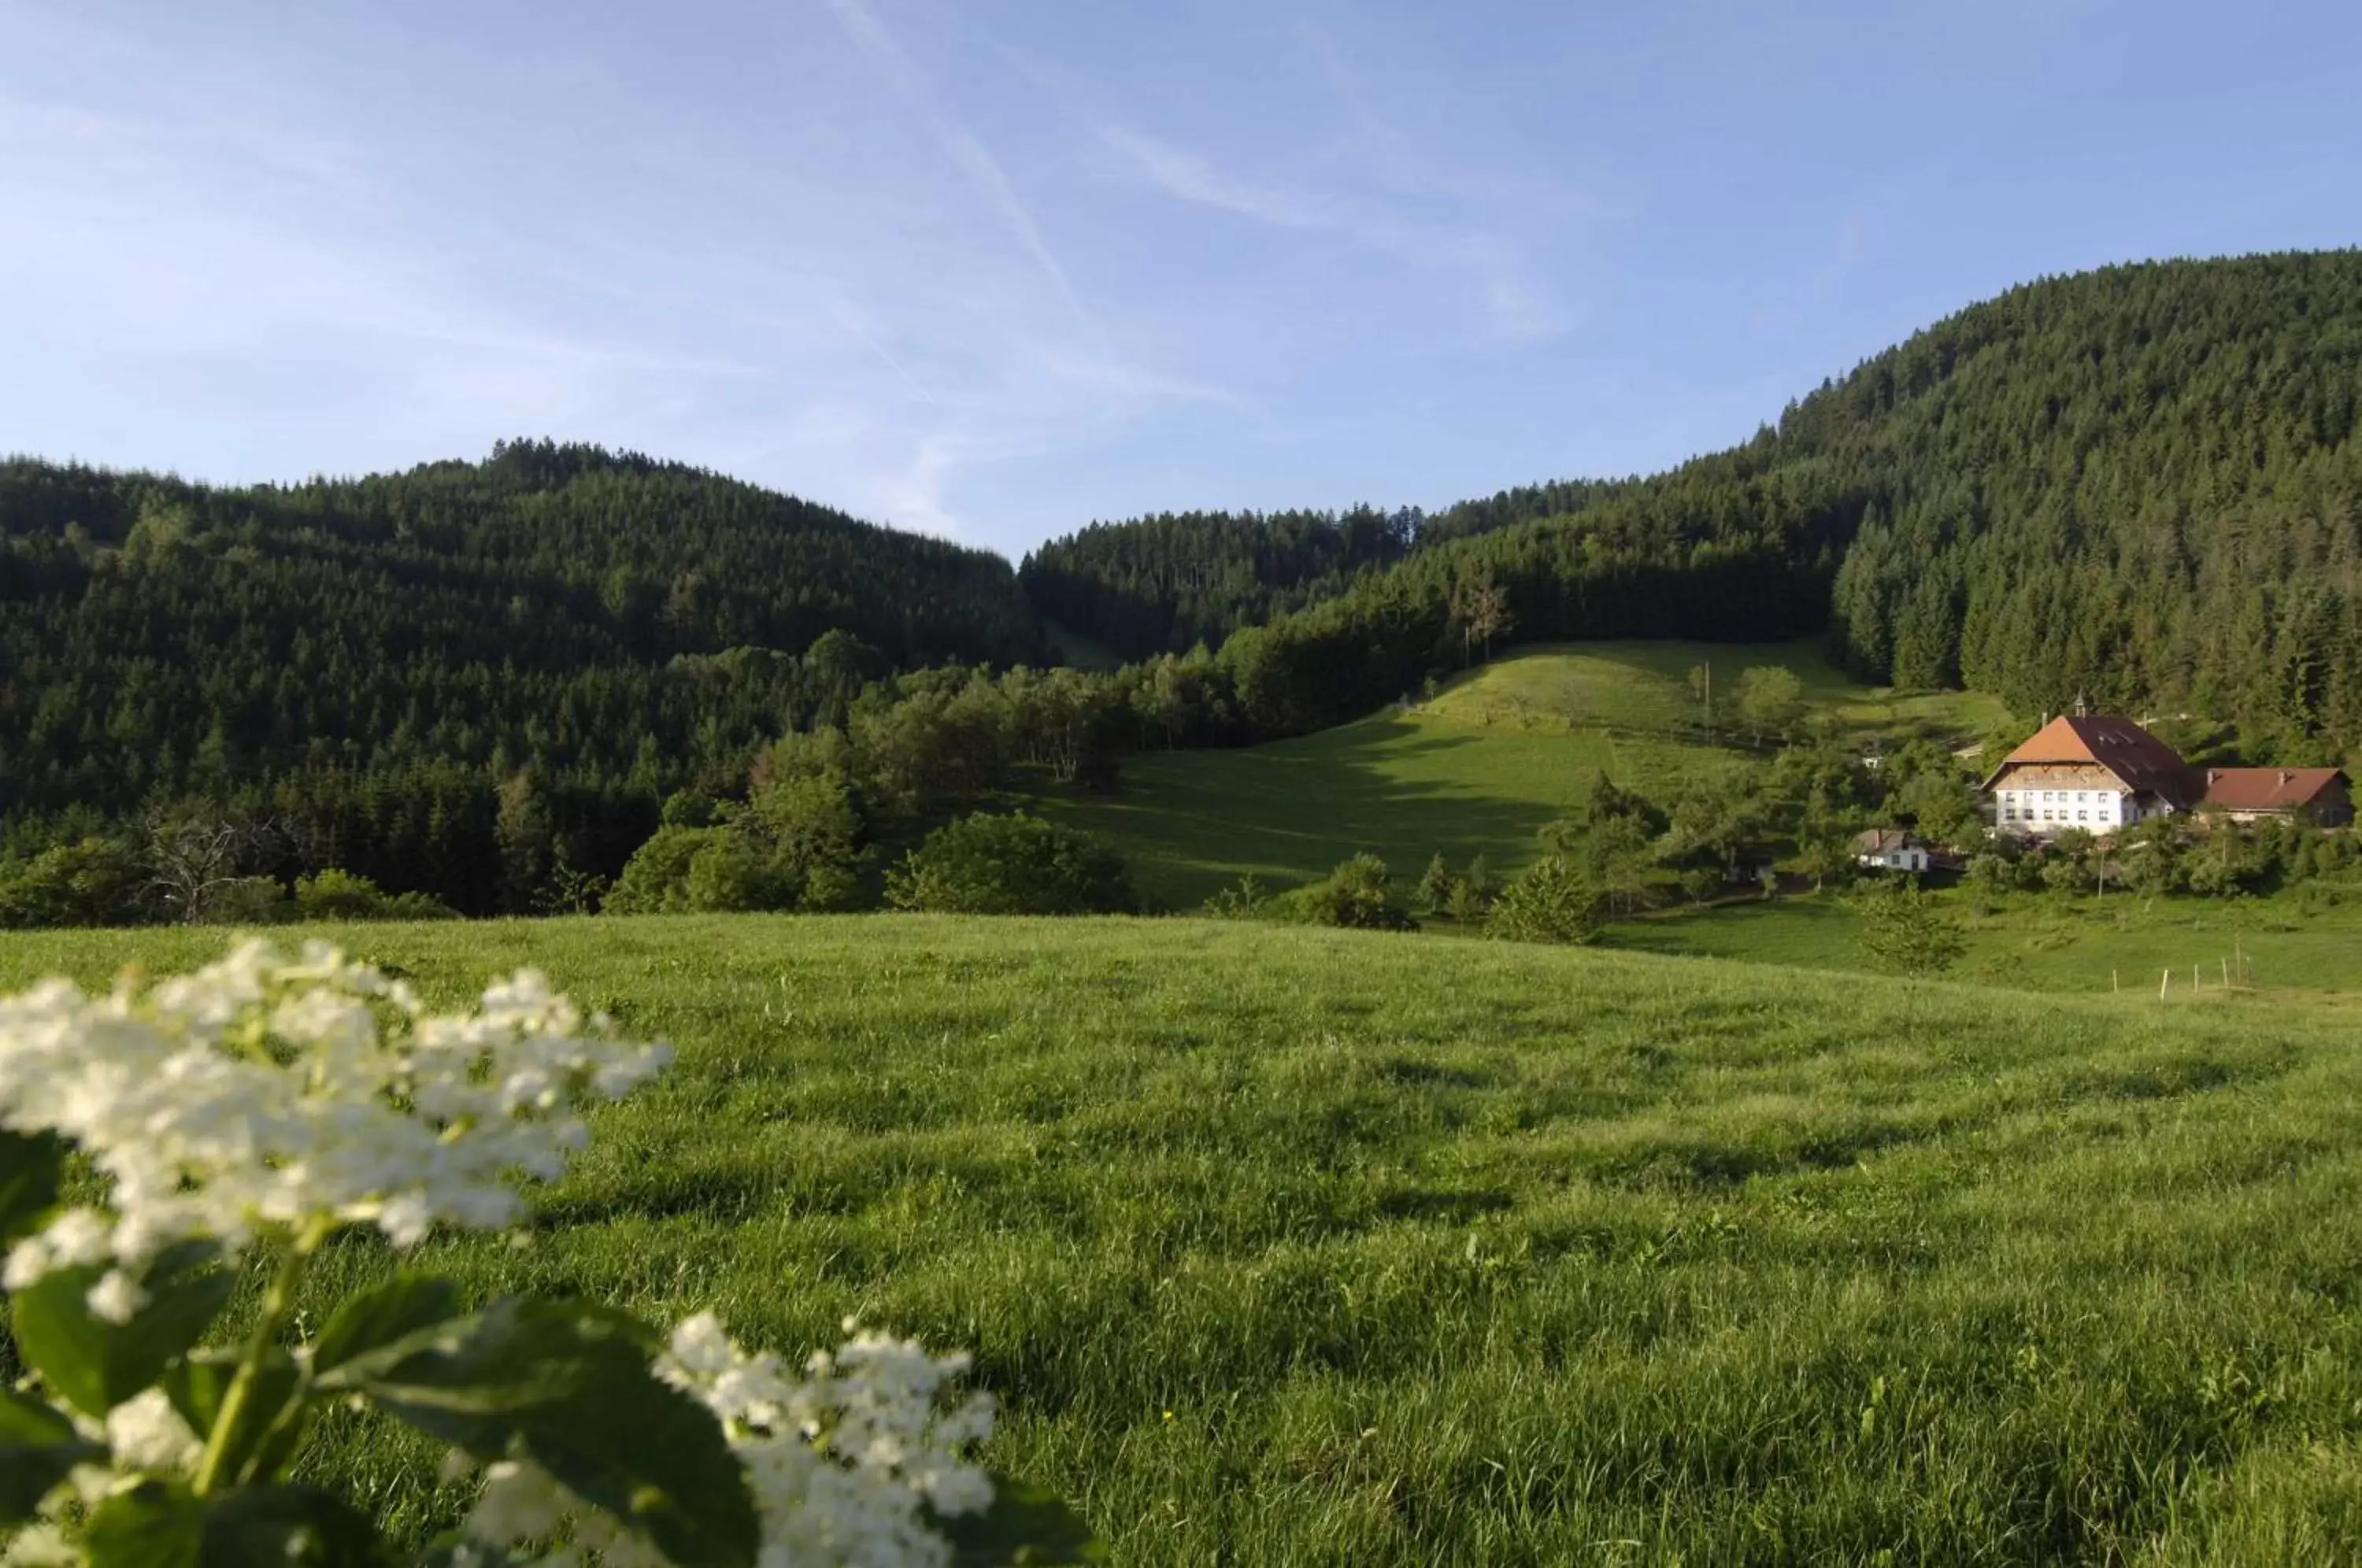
[(1478, 769), (2044, 942), (1295, 1247), (1481, 767)]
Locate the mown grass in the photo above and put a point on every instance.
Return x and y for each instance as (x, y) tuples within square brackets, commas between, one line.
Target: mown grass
[(2287, 946), (1290, 1246), (1477, 769)]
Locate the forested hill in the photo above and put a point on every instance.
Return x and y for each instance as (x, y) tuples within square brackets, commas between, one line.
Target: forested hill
[(615, 622), (2142, 483), (1160, 584), (1163, 583)]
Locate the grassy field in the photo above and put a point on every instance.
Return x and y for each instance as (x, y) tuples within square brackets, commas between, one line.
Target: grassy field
[(1476, 771), (2285, 946), (1289, 1246)]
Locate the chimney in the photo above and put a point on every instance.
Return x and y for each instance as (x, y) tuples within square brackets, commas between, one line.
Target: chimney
[(2286, 776), (2212, 775)]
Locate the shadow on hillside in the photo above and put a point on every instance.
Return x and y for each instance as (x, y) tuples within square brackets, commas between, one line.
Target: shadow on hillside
[(1288, 811), (1816, 933)]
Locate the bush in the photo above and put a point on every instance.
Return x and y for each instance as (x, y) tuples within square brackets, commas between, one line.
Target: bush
[(1436, 888), (1358, 895), (726, 874), (97, 882), (1699, 883), (804, 835), (246, 900), (1242, 899), (1468, 902), (334, 894), (1905, 930), (1011, 863), (1994, 872), (655, 879), (795, 846), (1551, 900), (2066, 873)]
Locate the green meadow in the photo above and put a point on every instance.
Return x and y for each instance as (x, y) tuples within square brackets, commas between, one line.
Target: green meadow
[(1476, 769), (2283, 948), (1294, 1246)]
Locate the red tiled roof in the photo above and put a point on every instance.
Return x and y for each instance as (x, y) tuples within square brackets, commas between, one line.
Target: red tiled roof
[(2146, 764), (2265, 789)]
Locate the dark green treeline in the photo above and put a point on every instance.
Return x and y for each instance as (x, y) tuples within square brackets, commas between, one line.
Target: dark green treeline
[(372, 659), (1162, 584)]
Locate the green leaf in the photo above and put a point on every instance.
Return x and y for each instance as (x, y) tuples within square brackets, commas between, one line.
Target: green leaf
[(95, 1365), (291, 1525), (37, 1446), (156, 1524), (568, 1387), (1026, 1524), (269, 1422), (378, 1317), (29, 1168)]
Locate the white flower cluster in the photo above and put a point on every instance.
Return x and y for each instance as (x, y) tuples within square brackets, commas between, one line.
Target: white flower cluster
[(524, 1503), (840, 1461), (142, 1434), (269, 1092), (145, 1432)]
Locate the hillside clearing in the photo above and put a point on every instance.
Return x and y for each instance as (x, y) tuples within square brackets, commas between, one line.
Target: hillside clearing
[(1296, 1246), (1477, 769)]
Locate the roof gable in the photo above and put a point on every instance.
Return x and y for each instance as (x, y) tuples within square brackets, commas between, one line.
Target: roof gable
[(2145, 764)]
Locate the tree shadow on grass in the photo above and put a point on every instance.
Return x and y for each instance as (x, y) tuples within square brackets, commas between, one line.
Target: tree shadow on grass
[(1288, 811)]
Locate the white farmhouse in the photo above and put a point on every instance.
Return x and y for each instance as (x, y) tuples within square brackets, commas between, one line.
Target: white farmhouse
[(2093, 771), (2100, 773)]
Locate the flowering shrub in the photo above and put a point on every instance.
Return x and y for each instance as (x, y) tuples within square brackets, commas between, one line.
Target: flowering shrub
[(262, 1104)]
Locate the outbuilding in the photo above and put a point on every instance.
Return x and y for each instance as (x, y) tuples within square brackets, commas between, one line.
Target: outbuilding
[(2316, 795), (1893, 849)]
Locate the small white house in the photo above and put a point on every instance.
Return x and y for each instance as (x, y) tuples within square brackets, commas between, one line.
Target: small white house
[(1893, 849)]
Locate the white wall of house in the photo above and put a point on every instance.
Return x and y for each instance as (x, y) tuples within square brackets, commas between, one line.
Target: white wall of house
[(2040, 809)]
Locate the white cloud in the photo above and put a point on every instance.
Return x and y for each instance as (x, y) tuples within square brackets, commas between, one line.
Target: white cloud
[(1512, 302), (202, 253), (974, 160)]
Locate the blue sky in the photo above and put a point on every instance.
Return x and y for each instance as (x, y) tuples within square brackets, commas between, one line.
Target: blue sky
[(995, 268)]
